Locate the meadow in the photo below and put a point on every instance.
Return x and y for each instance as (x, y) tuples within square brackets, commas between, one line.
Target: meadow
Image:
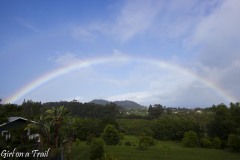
[(164, 150)]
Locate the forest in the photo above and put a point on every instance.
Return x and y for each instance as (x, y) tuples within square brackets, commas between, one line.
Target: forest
[(64, 125)]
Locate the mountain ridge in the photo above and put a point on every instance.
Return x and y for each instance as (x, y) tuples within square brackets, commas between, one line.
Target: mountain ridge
[(126, 104)]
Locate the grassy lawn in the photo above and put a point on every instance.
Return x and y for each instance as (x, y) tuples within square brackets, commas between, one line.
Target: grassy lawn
[(174, 152)]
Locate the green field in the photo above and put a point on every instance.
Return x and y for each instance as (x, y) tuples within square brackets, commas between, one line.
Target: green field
[(174, 152)]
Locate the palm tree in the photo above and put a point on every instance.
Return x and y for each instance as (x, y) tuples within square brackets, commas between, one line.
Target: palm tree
[(57, 115), (49, 125)]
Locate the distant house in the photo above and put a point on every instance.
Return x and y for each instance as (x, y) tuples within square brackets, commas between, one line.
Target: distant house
[(199, 111), (14, 123)]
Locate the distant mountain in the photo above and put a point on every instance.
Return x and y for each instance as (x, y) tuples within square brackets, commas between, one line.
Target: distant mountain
[(99, 101), (125, 104), (128, 104)]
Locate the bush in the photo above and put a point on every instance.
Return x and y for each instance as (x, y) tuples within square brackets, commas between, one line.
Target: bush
[(96, 149), (206, 143), (190, 139), (216, 143), (127, 143), (89, 139), (234, 142), (77, 142), (110, 135), (145, 141)]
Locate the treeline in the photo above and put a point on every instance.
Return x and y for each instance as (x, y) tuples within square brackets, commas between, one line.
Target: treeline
[(215, 127), (32, 110), (87, 110)]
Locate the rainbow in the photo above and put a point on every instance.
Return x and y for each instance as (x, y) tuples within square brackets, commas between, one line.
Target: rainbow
[(97, 61)]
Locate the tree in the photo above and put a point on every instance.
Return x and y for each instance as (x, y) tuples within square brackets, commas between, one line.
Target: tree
[(190, 139), (49, 126), (173, 127), (3, 116), (156, 111), (31, 109), (110, 135), (86, 128), (222, 125), (57, 115), (235, 114), (234, 142), (11, 110), (87, 110), (96, 149)]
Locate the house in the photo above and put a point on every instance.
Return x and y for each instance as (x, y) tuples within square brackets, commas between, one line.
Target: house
[(14, 123)]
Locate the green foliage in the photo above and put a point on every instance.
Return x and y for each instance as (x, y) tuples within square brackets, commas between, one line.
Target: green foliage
[(54, 127), (190, 139), (145, 141), (173, 127), (216, 143), (110, 135), (49, 126), (221, 129), (156, 111), (109, 120), (8, 110), (235, 113), (77, 142), (136, 126), (96, 149), (173, 151), (206, 143), (84, 127), (31, 109), (90, 138), (127, 143), (3, 117), (87, 110), (234, 142), (222, 125)]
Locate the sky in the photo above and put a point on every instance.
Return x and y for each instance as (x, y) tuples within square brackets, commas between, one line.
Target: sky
[(170, 52)]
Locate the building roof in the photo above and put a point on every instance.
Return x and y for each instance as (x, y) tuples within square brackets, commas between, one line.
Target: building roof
[(12, 119)]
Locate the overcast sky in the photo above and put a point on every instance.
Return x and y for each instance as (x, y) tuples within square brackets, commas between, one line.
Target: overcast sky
[(175, 53)]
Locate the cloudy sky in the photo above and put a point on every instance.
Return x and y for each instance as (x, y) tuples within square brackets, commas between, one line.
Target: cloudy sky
[(175, 53)]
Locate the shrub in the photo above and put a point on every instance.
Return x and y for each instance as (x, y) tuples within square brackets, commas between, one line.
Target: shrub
[(145, 141), (96, 149), (216, 143), (89, 138), (190, 139), (234, 142), (206, 143), (77, 141), (110, 135), (127, 143)]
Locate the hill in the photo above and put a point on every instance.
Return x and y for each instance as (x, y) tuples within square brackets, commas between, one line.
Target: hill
[(125, 104), (100, 102), (128, 104)]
